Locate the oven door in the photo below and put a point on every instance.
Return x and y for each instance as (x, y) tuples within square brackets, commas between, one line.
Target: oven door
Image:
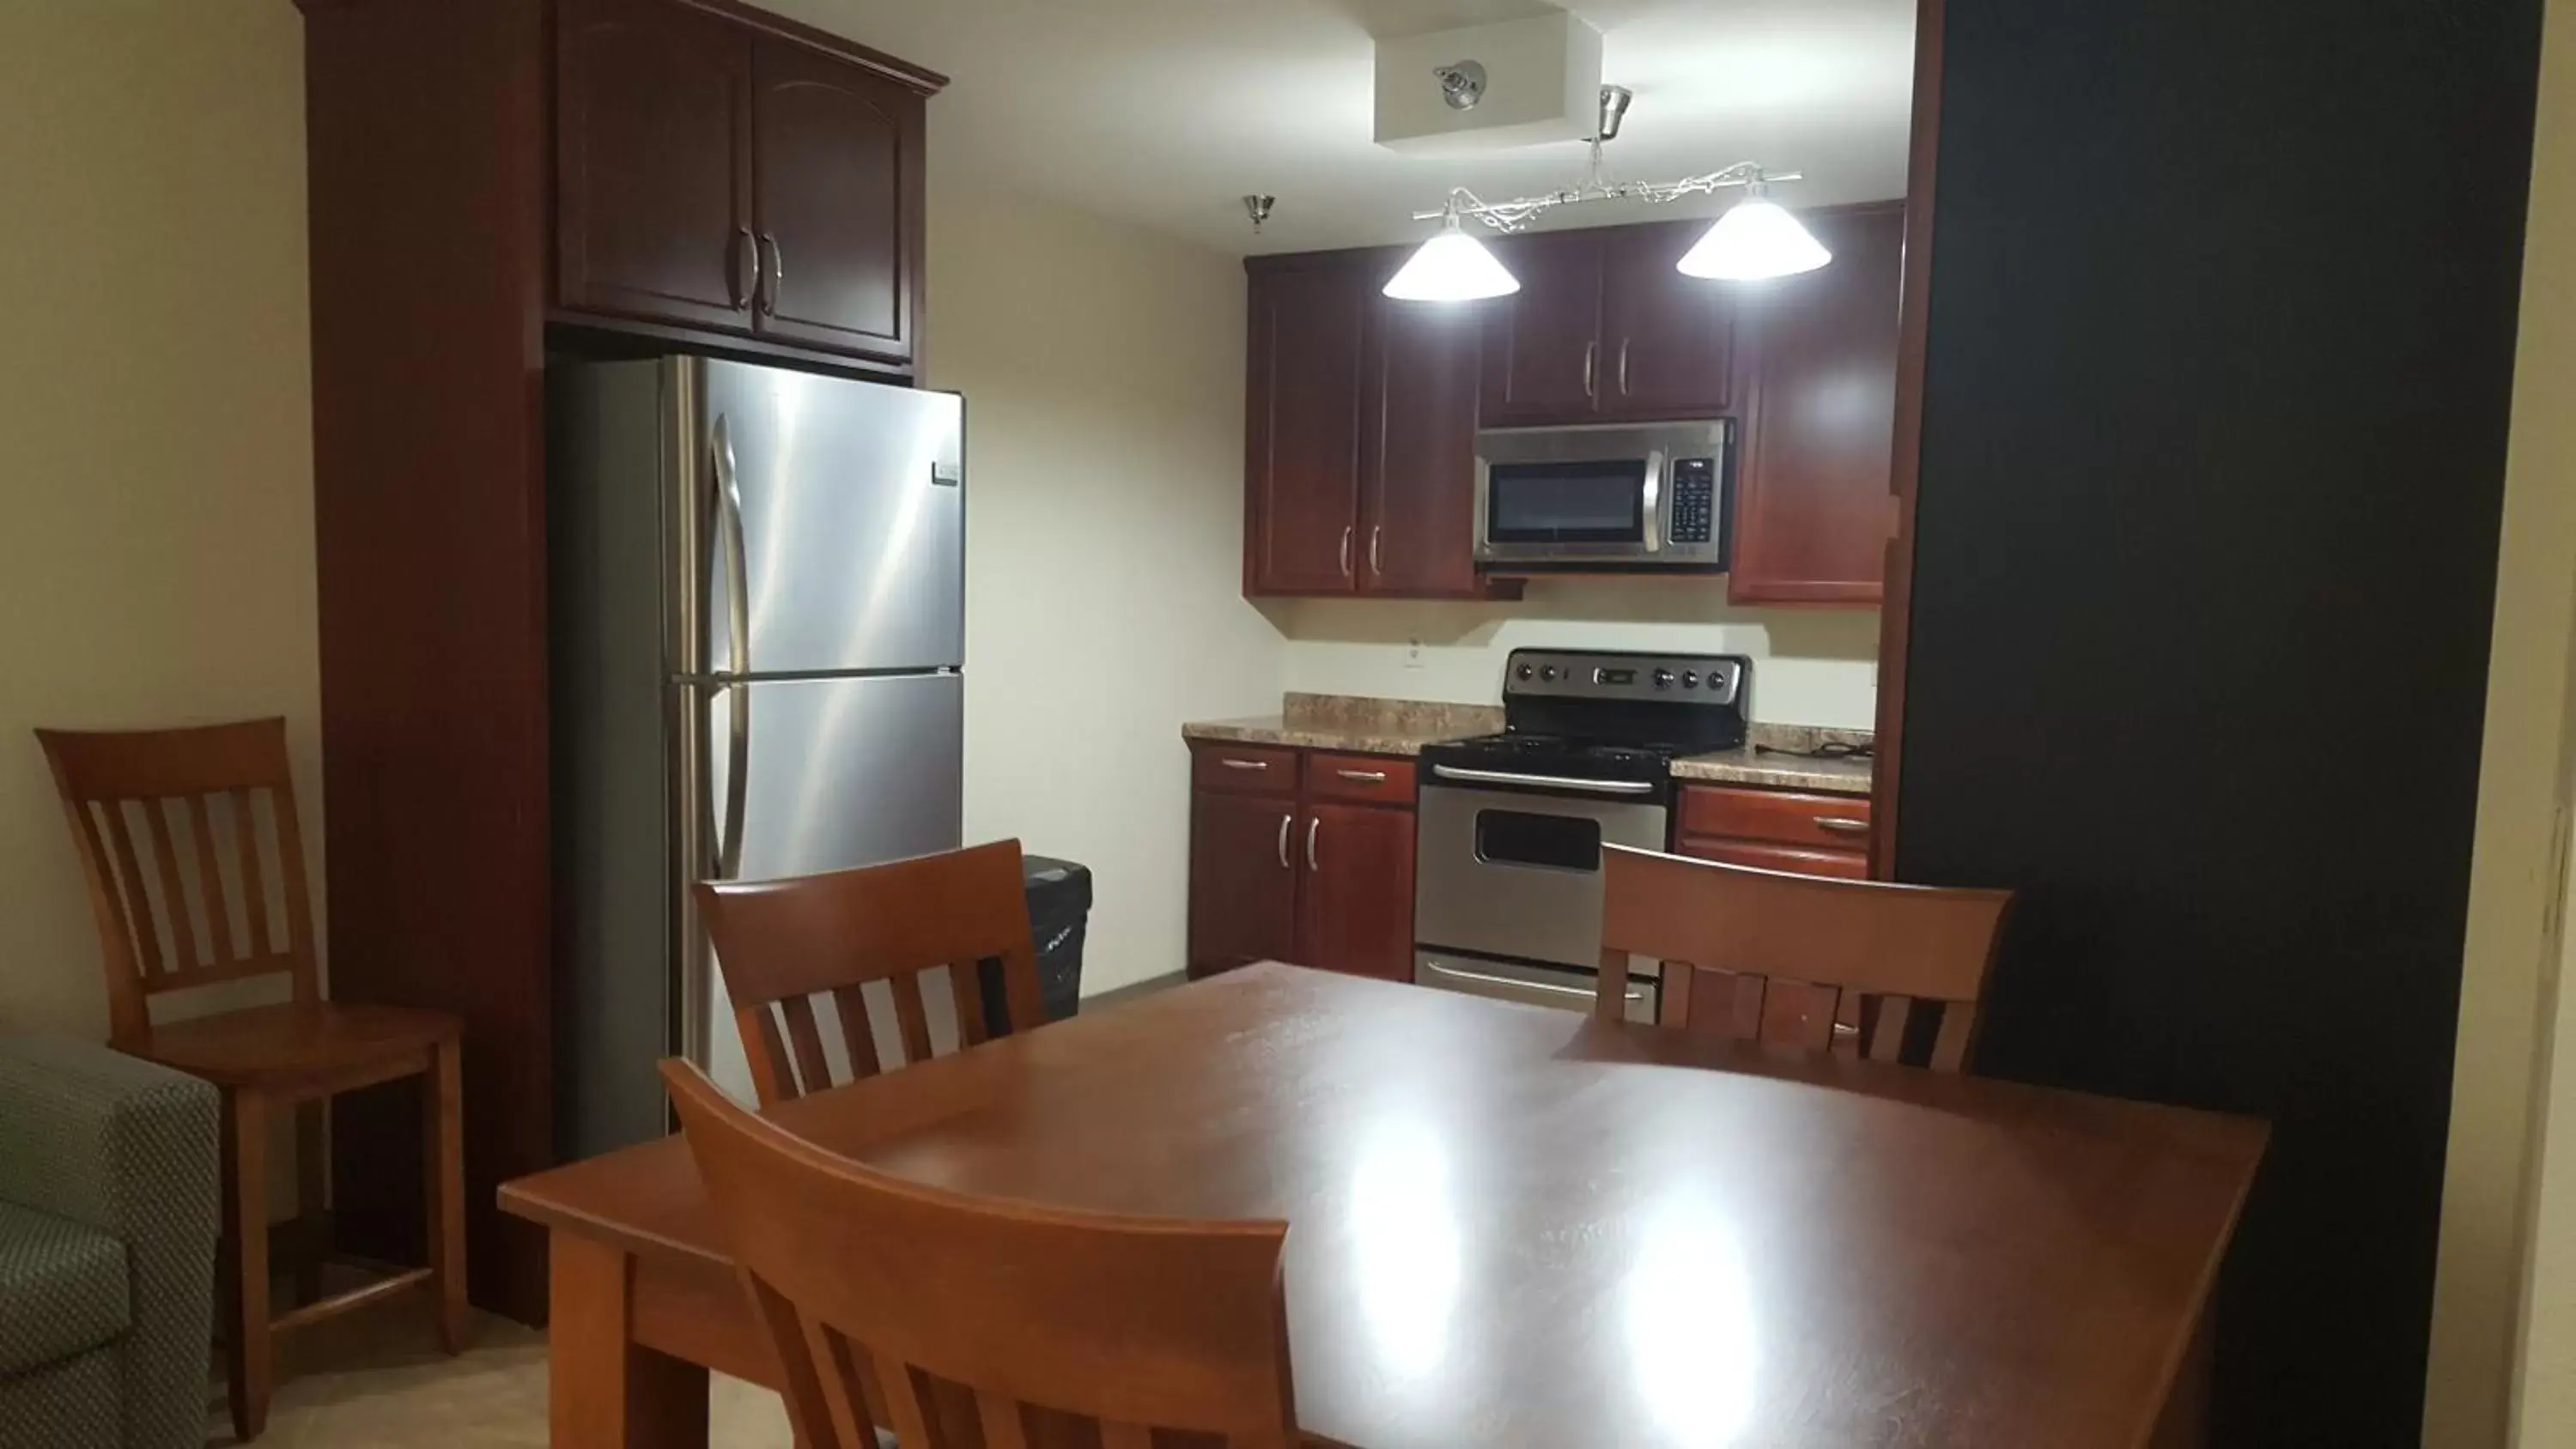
[(1517, 873)]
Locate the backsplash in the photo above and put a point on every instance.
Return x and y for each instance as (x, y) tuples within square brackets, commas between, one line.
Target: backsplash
[(1811, 666)]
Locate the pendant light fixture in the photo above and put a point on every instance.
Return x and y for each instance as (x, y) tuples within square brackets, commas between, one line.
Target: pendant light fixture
[(1756, 239), (1451, 267)]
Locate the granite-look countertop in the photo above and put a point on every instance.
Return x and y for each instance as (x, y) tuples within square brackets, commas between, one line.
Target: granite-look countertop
[(1364, 726), (1775, 772), (1353, 724)]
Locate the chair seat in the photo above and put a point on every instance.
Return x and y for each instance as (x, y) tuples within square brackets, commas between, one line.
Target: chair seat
[(63, 1289), (275, 1045)]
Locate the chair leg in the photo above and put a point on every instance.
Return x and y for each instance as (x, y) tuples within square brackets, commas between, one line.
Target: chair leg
[(312, 1219), (246, 1276), (442, 1131)]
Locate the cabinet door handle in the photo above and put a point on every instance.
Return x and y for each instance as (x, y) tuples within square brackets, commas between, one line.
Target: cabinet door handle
[(1623, 367), (1842, 825), (1591, 361), (777, 273), (1347, 530), (1377, 556), (1365, 777), (1235, 764), (1283, 841), (1313, 824), (745, 253)]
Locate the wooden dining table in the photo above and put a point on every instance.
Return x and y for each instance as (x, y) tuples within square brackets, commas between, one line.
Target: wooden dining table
[(1512, 1226)]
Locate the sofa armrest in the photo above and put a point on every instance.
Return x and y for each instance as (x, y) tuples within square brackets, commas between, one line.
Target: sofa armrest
[(133, 1150)]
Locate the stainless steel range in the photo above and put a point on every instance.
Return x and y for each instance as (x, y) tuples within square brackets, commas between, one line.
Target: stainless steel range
[(1507, 897)]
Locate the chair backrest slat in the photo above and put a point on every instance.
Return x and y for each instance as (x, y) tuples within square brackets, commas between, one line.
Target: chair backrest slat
[(171, 926), (813, 1073), (911, 1014), (781, 943), (1804, 961), (1023, 1310)]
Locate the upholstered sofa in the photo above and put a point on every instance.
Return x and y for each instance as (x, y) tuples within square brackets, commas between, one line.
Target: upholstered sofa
[(108, 1219)]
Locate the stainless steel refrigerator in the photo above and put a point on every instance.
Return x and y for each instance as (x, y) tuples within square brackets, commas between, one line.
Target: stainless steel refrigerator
[(757, 604)]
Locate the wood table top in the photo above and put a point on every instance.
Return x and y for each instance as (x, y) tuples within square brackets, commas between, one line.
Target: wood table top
[(1511, 1226)]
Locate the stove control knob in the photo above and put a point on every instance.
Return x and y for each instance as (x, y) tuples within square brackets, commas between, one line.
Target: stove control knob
[(1690, 678), (1716, 679), (1524, 672), (1547, 672), (1663, 679)]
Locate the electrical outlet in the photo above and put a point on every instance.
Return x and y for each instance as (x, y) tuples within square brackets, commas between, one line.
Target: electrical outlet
[(1413, 654)]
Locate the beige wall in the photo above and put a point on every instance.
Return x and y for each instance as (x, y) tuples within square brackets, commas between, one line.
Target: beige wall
[(2528, 707), (156, 564), (1103, 373), (2509, 995), (1811, 666)]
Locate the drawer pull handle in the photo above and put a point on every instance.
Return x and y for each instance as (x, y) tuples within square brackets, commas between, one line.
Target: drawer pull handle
[(1365, 777), (1232, 764), (1842, 825)]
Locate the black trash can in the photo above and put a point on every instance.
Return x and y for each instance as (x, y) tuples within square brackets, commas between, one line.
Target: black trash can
[(1059, 895)]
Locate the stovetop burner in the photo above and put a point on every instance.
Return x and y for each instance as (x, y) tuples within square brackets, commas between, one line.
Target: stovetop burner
[(1588, 715)]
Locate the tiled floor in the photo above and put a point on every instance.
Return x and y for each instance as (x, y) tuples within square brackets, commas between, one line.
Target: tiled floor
[(377, 1378)]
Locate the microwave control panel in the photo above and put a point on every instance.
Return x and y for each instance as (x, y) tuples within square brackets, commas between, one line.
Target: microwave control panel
[(1694, 499)]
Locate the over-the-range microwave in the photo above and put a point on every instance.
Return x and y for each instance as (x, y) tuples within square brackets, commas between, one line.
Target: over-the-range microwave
[(1606, 497)]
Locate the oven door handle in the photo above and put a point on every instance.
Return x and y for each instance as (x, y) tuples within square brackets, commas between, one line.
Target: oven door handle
[(1515, 983), (1550, 782)]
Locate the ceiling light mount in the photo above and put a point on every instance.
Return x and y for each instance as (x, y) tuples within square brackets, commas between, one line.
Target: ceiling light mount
[(1614, 109), (1462, 83), (1257, 206)]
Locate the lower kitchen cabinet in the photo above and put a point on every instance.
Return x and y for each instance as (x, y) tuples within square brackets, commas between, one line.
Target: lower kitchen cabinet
[(1355, 911), (1300, 857), (1809, 834), (1243, 885)]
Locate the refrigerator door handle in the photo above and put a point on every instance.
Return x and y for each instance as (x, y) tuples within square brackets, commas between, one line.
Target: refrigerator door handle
[(738, 632), (737, 552), (737, 769)]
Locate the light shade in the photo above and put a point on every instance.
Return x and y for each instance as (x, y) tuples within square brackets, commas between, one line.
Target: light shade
[(1451, 267), (1754, 240)]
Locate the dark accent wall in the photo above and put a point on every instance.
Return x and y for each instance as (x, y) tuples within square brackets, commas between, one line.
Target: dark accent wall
[(2222, 315)]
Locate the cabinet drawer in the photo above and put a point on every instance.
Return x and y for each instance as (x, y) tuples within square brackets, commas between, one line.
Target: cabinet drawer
[(1843, 864), (1368, 779), (1831, 822), (1244, 769)]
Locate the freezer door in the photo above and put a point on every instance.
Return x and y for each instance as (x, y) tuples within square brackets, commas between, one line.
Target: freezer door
[(826, 519), (812, 775)]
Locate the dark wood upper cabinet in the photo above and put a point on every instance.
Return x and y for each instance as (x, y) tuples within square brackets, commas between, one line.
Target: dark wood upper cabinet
[(652, 162), (1418, 448), (1302, 428), (1667, 340), (1812, 510), (1356, 914), (721, 170), (1543, 342), (1243, 880), (838, 153)]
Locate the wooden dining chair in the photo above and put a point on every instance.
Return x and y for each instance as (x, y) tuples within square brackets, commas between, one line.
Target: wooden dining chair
[(1861, 968), (781, 943), (223, 898), (1029, 1314)]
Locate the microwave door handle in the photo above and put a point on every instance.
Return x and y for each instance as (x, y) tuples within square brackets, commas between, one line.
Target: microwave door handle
[(1654, 501)]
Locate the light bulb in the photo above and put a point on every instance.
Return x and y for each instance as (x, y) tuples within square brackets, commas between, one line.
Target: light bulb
[(1451, 267), (1756, 239)]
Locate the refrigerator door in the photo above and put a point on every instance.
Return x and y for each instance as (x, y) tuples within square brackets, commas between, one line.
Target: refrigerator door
[(822, 523), (810, 775)]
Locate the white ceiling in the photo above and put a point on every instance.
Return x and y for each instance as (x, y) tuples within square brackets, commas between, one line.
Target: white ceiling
[(1164, 112)]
